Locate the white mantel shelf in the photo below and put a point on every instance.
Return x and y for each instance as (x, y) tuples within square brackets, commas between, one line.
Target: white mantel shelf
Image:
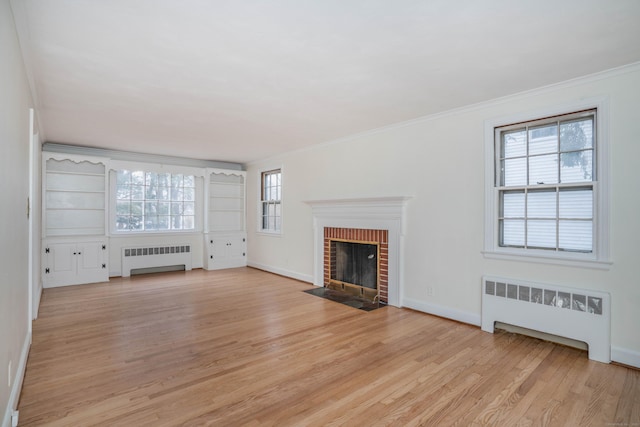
[(378, 213), (369, 202)]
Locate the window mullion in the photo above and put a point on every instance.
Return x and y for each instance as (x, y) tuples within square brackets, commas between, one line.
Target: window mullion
[(526, 216)]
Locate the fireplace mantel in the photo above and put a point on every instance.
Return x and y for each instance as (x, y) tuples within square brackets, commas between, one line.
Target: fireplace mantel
[(379, 213)]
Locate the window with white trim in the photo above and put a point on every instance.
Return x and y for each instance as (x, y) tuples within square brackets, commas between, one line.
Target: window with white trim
[(155, 202), (545, 194), (545, 172), (270, 201)]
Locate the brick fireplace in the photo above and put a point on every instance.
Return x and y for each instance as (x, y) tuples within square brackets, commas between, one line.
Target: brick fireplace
[(377, 220), (377, 237)]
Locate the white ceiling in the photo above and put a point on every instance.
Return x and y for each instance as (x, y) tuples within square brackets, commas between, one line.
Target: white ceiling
[(245, 80)]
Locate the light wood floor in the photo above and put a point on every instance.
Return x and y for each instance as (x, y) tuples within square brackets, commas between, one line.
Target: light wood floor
[(244, 347)]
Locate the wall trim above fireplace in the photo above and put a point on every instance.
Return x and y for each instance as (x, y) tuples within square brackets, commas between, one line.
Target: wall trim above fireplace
[(379, 213)]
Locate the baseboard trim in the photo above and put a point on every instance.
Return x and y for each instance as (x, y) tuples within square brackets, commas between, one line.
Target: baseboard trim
[(625, 356), (36, 302), (442, 311), (17, 383), (282, 272)]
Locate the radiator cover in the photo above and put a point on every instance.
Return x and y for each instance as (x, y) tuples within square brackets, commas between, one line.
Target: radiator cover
[(579, 314), (155, 256)]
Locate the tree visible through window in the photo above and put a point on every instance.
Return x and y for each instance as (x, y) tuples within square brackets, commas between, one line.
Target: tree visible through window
[(149, 201), (545, 174), (271, 195)]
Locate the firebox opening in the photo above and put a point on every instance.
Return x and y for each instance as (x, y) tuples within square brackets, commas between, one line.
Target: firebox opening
[(355, 267)]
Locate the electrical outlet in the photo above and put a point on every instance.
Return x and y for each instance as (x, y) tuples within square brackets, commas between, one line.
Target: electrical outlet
[(429, 291), (9, 374)]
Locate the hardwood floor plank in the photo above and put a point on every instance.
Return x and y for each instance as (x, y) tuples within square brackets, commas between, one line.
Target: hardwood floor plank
[(245, 347)]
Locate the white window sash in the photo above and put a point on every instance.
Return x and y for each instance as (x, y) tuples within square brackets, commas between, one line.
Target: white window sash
[(599, 258)]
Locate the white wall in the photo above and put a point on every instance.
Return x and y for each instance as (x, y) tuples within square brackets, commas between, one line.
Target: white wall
[(15, 101), (445, 217)]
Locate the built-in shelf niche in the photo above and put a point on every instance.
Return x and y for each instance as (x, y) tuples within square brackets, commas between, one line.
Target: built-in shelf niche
[(74, 197), (226, 202)]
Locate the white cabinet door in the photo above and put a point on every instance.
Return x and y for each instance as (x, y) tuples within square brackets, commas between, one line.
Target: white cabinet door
[(73, 263), (237, 248), (62, 262), (91, 265), (226, 251)]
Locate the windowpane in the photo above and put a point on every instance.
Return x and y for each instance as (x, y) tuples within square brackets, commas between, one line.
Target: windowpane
[(137, 178), (123, 192), (176, 180), (543, 169), (163, 193), (137, 208), (543, 139), (512, 205), (163, 208), (576, 235), (151, 222), (541, 204), (576, 203), (176, 222), (576, 134), (176, 208), (189, 193), (576, 166), (123, 177), (135, 222), (514, 144), (541, 233), (123, 207), (122, 222), (188, 208), (512, 232), (164, 179), (163, 222), (152, 179), (188, 222), (514, 172), (151, 208), (154, 201), (137, 192)]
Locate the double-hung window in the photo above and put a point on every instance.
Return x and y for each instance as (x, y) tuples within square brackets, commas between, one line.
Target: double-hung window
[(544, 200), (270, 201), (155, 202)]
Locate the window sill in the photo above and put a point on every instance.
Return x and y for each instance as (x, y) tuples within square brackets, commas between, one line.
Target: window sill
[(538, 258), (269, 233), (155, 233)]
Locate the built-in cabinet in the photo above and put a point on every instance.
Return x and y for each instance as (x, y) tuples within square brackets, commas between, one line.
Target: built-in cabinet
[(74, 214), (225, 235), (73, 263)]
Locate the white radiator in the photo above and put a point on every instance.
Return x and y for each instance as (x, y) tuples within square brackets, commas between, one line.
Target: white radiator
[(155, 256), (579, 314)]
